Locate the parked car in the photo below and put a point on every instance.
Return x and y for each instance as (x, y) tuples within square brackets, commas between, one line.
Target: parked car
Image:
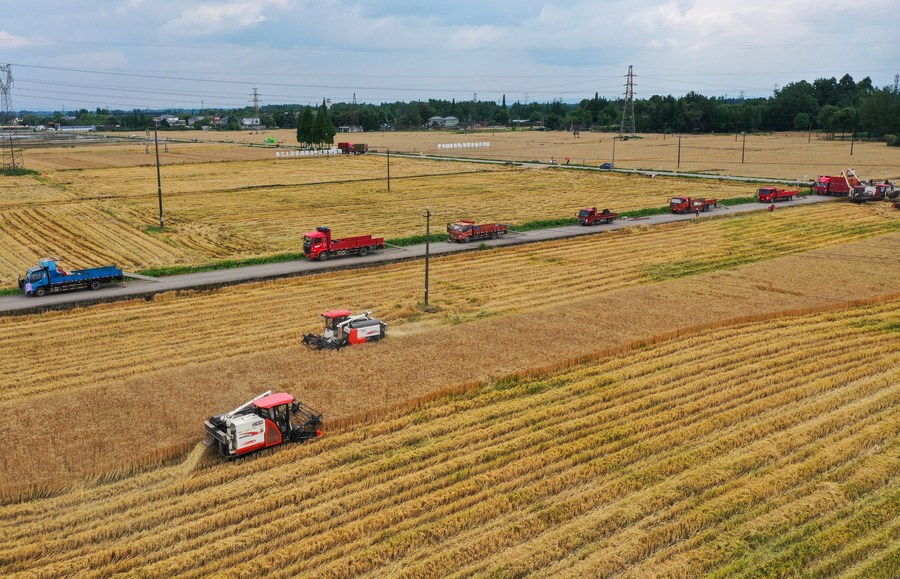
[(606, 166)]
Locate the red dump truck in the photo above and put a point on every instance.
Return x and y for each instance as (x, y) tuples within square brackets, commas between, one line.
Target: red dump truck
[(319, 244), (590, 216), (772, 194), (691, 205), (465, 230)]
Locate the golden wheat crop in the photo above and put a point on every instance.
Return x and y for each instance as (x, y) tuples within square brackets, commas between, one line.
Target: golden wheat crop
[(766, 447), (782, 155), (259, 208), (163, 366)]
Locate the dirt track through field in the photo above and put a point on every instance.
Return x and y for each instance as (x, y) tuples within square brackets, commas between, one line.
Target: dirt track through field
[(161, 415)]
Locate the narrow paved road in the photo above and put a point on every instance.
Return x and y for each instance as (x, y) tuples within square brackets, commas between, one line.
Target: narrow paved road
[(18, 304)]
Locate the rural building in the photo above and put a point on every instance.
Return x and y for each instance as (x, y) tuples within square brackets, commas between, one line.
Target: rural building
[(442, 122), (250, 123), (171, 120), (350, 129)]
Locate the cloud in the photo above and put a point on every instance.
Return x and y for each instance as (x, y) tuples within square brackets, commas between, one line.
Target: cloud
[(8, 40), (210, 19)]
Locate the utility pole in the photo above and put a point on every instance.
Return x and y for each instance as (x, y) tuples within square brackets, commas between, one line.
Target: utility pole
[(679, 153), (162, 222), (427, 249), (852, 139), (743, 144), (614, 152), (389, 169)]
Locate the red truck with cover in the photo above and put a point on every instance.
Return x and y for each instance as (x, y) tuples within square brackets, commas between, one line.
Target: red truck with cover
[(319, 244), (465, 230), (772, 194), (354, 148), (840, 185), (691, 205), (590, 216)]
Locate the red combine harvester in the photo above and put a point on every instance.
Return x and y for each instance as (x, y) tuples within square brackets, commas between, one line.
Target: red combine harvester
[(590, 216), (691, 205), (319, 245), (772, 194), (267, 420), (874, 192), (465, 230), (341, 329)]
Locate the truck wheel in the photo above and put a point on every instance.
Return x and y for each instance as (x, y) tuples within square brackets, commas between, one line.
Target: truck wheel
[(495, 235), (94, 285), (40, 292), (363, 251), (323, 256)]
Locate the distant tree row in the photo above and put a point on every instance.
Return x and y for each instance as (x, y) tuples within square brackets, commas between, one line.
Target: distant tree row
[(827, 104)]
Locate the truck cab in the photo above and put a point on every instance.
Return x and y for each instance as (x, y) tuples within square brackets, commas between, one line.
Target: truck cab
[(461, 229), (316, 242)]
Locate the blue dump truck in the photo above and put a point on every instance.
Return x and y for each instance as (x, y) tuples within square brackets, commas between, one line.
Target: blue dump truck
[(47, 277)]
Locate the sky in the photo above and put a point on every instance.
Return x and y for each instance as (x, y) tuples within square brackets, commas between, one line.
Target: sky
[(188, 54)]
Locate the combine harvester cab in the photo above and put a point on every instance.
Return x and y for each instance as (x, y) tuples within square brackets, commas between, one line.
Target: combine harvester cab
[(267, 420), (342, 329)]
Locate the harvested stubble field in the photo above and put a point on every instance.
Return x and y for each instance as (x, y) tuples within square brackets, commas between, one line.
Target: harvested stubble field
[(162, 367), (784, 155), (262, 208), (764, 448)]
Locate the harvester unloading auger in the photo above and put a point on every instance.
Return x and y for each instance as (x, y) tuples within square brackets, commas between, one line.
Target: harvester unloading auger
[(341, 329)]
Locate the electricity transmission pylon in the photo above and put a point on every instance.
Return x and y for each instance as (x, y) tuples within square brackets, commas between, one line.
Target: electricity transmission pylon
[(12, 155), (628, 112)]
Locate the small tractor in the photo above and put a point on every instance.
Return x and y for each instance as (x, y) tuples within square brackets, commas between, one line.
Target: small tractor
[(341, 329), (267, 420)]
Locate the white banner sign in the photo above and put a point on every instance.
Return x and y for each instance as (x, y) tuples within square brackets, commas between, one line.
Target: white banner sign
[(463, 145), (307, 153)]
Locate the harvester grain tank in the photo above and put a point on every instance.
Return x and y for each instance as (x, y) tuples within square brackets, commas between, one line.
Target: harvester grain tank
[(691, 204), (47, 277), (466, 230), (772, 194), (320, 245), (342, 329), (265, 421), (591, 216)]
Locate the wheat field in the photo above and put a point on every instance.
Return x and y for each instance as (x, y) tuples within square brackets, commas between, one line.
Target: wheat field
[(245, 209), (776, 155), (501, 311), (764, 448)]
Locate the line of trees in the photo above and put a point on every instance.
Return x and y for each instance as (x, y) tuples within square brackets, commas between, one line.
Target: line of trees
[(835, 106)]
